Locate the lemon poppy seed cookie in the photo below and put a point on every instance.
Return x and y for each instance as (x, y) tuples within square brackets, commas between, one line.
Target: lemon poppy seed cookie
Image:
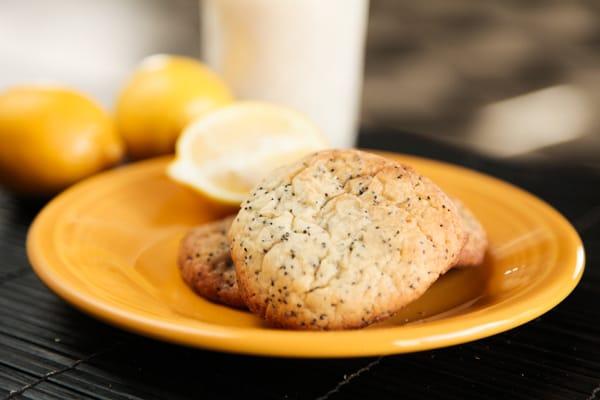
[(473, 251), (206, 266), (340, 240)]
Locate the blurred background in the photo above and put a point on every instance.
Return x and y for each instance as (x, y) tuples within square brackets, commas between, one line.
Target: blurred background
[(510, 78)]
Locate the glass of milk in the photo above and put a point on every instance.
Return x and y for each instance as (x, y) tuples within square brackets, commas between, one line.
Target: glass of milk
[(305, 54)]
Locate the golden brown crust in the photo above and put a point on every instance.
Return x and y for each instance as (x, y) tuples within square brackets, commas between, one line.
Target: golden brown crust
[(206, 266), (476, 243), (342, 239)]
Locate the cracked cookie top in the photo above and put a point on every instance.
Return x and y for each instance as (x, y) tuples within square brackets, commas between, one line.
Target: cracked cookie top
[(341, 239)]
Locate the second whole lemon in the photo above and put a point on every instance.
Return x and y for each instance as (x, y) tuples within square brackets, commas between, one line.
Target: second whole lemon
[(164, 94), (51, 137)]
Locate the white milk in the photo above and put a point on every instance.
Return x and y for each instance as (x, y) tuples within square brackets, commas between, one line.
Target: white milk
[(306, 54)]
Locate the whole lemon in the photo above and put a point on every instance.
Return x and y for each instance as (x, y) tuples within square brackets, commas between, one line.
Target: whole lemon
[(51, 137), (164, 94)]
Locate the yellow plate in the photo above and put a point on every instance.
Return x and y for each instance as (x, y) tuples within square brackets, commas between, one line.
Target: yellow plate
[(108, 246)]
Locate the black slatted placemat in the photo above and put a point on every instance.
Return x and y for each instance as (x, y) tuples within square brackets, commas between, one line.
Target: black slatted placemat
[(48, 350)]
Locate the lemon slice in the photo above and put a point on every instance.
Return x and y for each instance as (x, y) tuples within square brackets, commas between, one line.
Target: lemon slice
[(226, 153)]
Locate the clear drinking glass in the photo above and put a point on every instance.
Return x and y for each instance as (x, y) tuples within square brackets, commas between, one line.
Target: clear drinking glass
[(305, 54)]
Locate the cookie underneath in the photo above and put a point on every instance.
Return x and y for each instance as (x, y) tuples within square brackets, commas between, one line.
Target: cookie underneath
[(342, 239), (206, 266), (476, 243)]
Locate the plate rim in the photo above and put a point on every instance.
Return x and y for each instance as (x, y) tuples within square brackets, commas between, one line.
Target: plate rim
[(308, 344)]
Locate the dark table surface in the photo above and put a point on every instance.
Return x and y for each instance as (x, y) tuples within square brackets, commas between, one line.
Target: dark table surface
[(49, 350)]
